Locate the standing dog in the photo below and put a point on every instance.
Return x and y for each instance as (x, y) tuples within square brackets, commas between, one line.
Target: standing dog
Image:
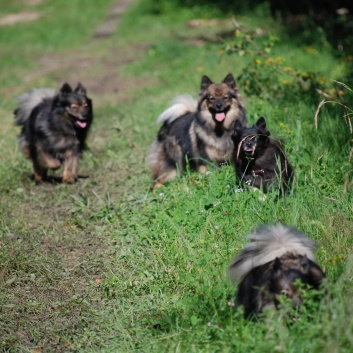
[(259, 160), (197, 132), (54, 128), (270, 266)]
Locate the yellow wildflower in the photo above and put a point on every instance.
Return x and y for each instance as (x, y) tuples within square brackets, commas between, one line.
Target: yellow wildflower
[(311, 50), (287, 69)]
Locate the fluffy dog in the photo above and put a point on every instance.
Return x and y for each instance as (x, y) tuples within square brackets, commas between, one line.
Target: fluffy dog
[(54, 128), (260, 160), (270, 266), (196, 132)]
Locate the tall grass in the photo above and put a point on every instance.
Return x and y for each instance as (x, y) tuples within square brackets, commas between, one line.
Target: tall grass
[(105, 265), (190, 231)]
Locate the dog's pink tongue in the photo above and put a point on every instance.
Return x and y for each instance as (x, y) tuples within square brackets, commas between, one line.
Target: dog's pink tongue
[(81, 124), (220, 117)]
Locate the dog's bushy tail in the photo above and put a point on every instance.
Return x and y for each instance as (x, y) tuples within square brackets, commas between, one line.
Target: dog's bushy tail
[(267, 243), (29, 100), (180, 106)]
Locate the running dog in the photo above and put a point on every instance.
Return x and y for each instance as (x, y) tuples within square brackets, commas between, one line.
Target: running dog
[(54, 129)]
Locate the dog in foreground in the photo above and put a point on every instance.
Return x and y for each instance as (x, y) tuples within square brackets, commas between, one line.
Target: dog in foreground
[(260, 160), (196, 132), (54, 129), (270, 266)]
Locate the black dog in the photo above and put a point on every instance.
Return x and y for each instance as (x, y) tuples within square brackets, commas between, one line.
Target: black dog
[(54, 129), (259, 160), (270, 266)]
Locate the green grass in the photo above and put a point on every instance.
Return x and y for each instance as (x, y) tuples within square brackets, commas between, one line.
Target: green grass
[(105, 265), (62, 26)]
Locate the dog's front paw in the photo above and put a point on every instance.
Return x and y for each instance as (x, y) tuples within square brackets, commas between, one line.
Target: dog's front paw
[(39, 178), (261, 195), (156, 185), (69, 180), (203, 169)]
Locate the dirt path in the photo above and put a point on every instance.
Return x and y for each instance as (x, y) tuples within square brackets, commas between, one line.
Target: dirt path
[(98, 71), (63, 255)]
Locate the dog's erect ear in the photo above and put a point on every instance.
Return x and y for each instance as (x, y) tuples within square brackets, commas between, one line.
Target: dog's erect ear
[(277, 265), (66, 88), (261, 125), (238, 126), (229, 80), (205, 82), (316, 275), (304, 264), (80, 89)]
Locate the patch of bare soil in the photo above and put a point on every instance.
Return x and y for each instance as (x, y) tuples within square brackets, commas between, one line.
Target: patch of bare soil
[(34, 2), (24, 16), (12, 19), (99, 73), (109, 26), (64, 289)]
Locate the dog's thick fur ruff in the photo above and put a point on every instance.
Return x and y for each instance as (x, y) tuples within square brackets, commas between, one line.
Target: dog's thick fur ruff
[(274, 259), (196, 132), (259, 160), (54, 128)]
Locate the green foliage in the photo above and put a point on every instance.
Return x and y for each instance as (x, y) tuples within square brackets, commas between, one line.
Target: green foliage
[(347, 111), (269, 76), (105, 265), (61, 26), (197, 224)]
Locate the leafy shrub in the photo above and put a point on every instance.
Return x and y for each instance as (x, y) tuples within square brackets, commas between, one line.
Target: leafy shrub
[(269, 77)]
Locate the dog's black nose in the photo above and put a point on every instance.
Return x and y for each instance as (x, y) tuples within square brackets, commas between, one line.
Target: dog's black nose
[(219, 106)]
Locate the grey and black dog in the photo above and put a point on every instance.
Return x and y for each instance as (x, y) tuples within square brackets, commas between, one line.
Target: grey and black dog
[(272, 263), (197, 132), (54, 128)]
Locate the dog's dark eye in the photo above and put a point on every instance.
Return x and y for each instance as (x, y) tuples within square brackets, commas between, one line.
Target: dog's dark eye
[(226, 98), (210, 99), (74, 107)]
